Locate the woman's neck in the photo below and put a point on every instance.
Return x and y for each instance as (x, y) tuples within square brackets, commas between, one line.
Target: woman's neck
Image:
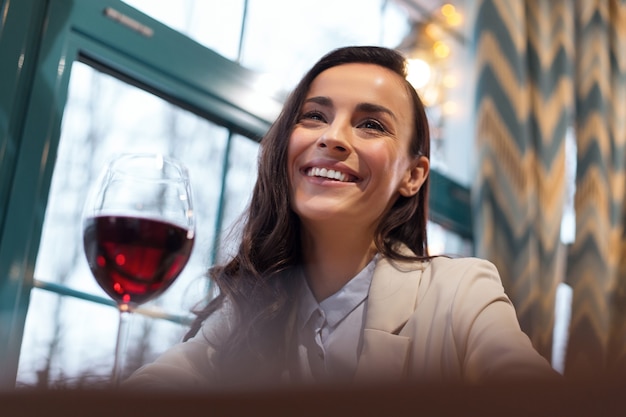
[(333, 257)]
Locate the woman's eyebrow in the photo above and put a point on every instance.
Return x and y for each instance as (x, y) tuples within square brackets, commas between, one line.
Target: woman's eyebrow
[(375, 108), (362, 107), (321, 100)]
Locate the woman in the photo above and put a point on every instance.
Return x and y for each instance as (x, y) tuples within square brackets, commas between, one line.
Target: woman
[(332, 281)]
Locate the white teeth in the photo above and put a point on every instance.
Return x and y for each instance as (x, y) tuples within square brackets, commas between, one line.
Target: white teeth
[(327, 173)]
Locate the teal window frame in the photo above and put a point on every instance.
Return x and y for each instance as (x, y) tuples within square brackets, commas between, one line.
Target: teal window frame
[(39, 42)]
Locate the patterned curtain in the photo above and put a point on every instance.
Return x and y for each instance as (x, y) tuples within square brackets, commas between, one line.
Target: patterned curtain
[(596, 266), (544, 65), (523, 109)]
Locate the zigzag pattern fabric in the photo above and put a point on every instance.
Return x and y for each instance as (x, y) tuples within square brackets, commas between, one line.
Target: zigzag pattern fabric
[(597, 259), (524, 93)]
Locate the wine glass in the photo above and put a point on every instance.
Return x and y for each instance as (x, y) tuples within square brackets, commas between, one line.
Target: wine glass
[(138, 232)]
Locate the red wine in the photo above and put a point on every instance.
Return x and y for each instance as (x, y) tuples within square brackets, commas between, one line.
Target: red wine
[(135, 259)]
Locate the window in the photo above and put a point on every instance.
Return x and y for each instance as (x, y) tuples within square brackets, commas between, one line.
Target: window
[(104, 116)]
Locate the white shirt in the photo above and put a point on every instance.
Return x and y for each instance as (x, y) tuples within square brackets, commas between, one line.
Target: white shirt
[(330, 332)]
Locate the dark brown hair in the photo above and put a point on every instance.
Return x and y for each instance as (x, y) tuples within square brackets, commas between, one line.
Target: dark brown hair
[(259, 281)]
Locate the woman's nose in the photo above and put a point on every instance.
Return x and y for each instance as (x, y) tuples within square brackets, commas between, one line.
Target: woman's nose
[(336, 138)]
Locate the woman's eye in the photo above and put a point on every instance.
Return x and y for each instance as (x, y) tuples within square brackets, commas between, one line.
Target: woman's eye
[(373, 125), (313, 115)]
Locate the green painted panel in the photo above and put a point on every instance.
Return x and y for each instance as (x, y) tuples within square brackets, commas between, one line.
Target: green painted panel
[(449, 205), (32, 171), (20, 36), (19, 40)]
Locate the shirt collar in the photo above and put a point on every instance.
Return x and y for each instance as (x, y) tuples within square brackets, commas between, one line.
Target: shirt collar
[(340, 304)]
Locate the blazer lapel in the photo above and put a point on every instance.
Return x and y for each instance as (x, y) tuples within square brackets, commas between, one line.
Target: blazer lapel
[(391, 302)]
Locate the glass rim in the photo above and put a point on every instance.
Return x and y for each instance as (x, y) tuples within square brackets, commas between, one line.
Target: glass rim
[(160, 161)]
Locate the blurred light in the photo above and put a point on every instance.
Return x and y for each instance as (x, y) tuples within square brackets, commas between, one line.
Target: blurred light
[(419, 73), (441, 49), (453, 18), (449, 81), (431, 96), (449, 108), (448, 10), (432, 30)]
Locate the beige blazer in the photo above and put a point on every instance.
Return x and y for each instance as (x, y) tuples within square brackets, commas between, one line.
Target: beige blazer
[(444, 320)]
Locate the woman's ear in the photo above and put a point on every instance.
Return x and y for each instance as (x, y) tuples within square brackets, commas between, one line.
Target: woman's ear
[(414, 177)]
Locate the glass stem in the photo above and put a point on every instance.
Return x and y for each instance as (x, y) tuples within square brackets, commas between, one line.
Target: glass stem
[(120, 345)]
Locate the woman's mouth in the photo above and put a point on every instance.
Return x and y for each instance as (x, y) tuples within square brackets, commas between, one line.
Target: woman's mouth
[(330, 174)]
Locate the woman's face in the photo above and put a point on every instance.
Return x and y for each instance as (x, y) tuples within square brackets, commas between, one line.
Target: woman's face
[(348, 155)]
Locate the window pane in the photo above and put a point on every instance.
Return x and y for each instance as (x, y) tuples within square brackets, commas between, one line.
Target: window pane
[(215, 24), (105, 116), (240, 180), (444, 242), (285, 48), (282, 38), (69, 343)]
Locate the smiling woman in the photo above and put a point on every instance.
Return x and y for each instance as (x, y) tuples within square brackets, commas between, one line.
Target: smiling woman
[(356, 121), (335, 284)]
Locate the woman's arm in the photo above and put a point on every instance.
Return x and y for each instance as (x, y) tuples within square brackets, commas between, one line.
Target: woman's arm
[(485, 325), (188, 365)]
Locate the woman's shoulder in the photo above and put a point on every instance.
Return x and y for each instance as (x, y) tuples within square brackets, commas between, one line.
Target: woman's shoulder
[(443, 272), (444, 264), (463, 267), (440, 262), (217, 326), (459, 263), (449, 274)]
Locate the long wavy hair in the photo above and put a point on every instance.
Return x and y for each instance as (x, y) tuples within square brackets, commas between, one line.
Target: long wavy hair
[(259, 281)]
